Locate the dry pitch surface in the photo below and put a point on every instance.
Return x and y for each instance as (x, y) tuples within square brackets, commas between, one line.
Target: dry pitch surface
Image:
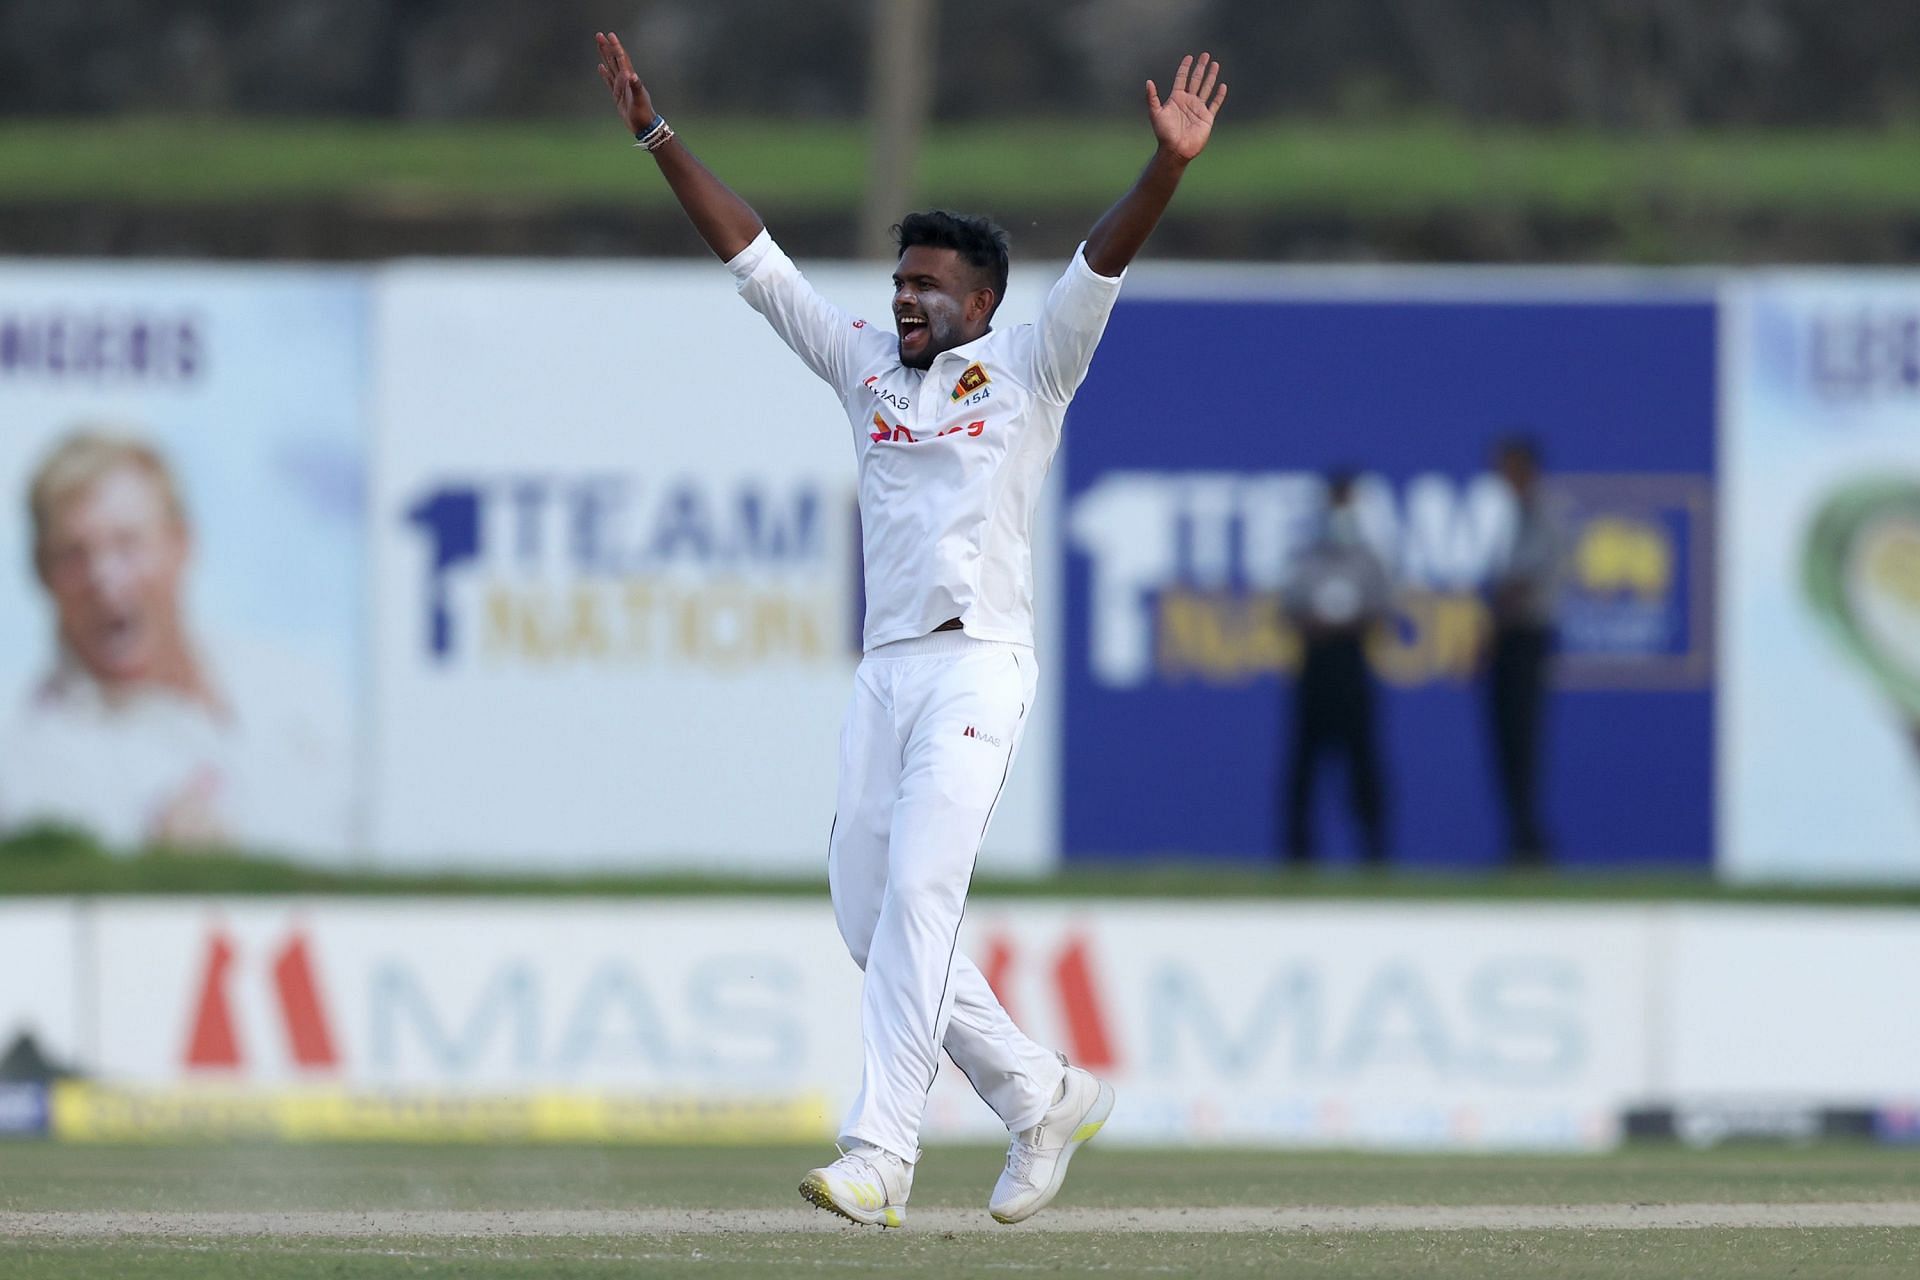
[(511, 1212)]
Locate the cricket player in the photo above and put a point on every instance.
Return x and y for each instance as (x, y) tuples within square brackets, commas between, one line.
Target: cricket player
[(955, 424)]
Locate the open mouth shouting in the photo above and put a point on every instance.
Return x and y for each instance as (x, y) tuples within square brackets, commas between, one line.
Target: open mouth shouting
[(915, 334)]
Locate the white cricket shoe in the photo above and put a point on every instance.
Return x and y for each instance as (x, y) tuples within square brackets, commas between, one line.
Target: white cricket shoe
[(1037, 1157), (866, 1185)]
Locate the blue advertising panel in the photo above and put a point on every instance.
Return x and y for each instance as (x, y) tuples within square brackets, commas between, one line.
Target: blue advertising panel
[(1195, 462)]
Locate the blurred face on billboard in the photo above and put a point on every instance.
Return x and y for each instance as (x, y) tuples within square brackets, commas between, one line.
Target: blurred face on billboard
[(113, 554)]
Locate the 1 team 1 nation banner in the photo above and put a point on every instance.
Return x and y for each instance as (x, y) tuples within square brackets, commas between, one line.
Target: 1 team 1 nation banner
[(1197, 456), (616, 577), (736, 1020)]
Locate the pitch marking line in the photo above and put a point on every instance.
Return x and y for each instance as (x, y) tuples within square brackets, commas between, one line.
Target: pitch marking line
[(485, 1224)]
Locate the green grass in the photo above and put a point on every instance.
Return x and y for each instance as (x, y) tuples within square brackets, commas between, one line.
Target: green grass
[(55, 862), (39, 1177), (1828, 1254), (36, 1176), (1409, 167), (1599, 1255)]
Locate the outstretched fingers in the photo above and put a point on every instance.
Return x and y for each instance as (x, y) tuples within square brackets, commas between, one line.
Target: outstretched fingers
[(618, 62), (1199, 74), (609, 61), (1206, 86), (1180, 76), (1153, 97), (1219, 100)]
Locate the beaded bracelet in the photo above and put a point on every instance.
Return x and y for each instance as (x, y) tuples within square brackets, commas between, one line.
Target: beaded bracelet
[(657, 135)]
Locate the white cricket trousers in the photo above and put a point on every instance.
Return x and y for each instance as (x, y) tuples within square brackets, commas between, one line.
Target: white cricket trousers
[(930, 736)]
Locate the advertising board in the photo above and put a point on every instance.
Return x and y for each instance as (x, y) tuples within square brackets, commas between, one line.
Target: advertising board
[(42, 995), (693, 997), (1819, 735), (617, 576), (1196, 461), (1335, 1024), (1329, 1026), (180, 554), (1800, 1004), (1344, 1026)]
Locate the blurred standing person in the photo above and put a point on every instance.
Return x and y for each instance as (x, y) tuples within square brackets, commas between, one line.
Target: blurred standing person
[(1337, 592), (140, 732), (1522, 596)]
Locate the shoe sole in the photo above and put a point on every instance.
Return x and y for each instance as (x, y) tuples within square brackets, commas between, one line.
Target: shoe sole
[(1089, 1125), (814, 1190)]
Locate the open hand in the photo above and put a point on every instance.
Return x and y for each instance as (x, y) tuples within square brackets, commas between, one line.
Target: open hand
[(1184, 121), (629, 95)]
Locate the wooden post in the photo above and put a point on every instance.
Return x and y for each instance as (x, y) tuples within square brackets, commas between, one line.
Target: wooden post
[(899, 100)]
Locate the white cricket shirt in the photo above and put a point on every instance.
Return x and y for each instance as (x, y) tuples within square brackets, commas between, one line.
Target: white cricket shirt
[(951, 458)]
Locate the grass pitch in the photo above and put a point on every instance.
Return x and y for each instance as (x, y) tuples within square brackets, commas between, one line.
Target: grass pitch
[(495, 1212)]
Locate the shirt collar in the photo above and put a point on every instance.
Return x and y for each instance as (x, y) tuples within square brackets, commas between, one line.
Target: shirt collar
[(969, 350)]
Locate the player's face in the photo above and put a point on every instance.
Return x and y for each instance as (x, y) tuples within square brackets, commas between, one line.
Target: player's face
[(113, 559), (938, 304)]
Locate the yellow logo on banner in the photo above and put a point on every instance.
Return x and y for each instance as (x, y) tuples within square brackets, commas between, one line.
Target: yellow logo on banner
[(1618, 554)]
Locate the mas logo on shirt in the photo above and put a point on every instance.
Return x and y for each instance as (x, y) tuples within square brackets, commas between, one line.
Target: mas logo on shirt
[(971, 381)]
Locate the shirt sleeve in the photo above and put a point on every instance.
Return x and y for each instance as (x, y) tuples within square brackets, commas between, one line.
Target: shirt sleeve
[(1070, 325), (821, 334)]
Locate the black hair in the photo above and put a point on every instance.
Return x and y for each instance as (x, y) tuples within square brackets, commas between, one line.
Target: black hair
[(979, 241)]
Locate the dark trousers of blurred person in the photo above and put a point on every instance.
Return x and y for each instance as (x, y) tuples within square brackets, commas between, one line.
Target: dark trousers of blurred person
[(1516, 687), (1333, 715)]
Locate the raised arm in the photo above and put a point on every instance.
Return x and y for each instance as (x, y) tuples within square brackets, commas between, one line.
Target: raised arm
[(726, 222), (1181, 126)]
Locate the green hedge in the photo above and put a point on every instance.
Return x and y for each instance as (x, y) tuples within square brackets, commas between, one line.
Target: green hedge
[(1255, 166), (50, 861)]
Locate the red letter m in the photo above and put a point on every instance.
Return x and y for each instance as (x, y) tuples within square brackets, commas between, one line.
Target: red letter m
[(213, 1042), (1090, 1045)]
